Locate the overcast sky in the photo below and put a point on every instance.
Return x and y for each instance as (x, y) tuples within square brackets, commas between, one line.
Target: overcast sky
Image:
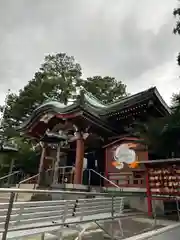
[(131, 40)]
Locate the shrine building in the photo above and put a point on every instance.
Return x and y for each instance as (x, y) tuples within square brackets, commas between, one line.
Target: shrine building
[(91, 132)]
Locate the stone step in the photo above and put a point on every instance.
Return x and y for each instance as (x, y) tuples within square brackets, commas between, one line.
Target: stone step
[(25, 196), (25, 186), (22, 197)]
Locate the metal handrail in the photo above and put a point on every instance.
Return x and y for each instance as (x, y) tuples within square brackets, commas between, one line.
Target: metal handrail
[(9, 175), (90, 170), (111, 182), (34, 176), (13, 193), (27, 179), (71, 167), (9, 228), (17, 190)]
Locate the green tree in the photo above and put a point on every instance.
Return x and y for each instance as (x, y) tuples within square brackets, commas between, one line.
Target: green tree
[(58, 78), (9, 123), (26, 159), (107, 89), (151, 134), (162, 135)]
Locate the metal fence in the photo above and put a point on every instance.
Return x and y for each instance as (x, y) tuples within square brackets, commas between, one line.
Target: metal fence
[(12, 196), (134, 222), (11, 179), (109, 224)]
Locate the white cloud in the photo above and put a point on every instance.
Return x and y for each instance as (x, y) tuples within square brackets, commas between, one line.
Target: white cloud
[(165, 78), (131, 40)]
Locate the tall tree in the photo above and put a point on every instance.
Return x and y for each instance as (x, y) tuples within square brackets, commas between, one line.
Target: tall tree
[(58, 78), (162, 136), (107, 89), (26, 159)]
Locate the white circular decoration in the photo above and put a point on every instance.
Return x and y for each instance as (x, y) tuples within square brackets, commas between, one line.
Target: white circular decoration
[(124, 154)]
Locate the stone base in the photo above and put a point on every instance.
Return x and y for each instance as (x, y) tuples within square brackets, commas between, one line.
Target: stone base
[(41, 197), (71, 188)]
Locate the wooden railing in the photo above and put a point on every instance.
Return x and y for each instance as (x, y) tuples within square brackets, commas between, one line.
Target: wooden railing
[(66, 175), (127, 180)]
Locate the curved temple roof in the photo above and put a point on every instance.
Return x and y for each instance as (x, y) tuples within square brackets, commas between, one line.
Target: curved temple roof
[(88, 103)]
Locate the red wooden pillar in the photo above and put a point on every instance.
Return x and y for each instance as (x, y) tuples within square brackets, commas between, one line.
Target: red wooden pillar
[(106, 168), (41, 166), (79, 161), (149, 196)]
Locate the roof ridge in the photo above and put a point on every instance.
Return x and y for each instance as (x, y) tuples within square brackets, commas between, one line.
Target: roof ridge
[(130, 96), (91, 95)]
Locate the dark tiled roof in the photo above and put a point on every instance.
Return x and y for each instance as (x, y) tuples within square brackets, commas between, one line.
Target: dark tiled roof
[(93, 106), (137, 98)]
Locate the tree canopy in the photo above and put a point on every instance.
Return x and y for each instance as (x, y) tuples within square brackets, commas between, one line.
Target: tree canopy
[(58, 78), (107, 89), (162, 136)]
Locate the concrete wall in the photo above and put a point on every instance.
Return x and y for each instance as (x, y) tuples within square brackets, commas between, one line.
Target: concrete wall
[(140, 203)]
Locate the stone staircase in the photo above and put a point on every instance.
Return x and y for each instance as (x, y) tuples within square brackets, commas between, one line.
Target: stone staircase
[(28, 183)]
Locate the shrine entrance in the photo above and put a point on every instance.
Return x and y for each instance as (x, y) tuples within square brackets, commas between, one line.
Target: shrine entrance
[(71, 155)]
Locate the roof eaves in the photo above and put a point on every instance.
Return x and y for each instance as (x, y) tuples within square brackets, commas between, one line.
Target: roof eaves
[(164, 104), (101, 123), (145, 92), (133, 139), (137, 98), (51, 109)]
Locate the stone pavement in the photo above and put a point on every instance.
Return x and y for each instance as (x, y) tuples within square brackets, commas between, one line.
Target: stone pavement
[(173, 234), (131, 227)]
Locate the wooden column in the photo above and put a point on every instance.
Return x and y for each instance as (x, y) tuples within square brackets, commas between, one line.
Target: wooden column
[(41, 175), (56, 165), (78, 175), (10, 172), (149, 195)]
